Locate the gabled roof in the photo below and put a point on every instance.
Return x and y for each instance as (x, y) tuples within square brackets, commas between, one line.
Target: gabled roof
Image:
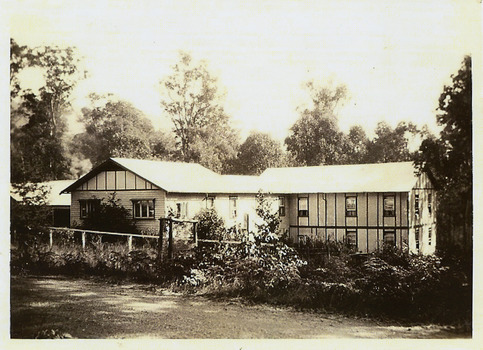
[(181, 177), (178, 177), (54, 197), (381, 177)]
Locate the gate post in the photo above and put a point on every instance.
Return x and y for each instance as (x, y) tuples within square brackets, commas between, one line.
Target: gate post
[(129, 242), (83, 240), (162, 228), (50, 238), (195, 233), (170, 239)]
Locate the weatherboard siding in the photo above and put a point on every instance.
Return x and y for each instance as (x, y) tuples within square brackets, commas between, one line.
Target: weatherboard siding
[(125, 198)]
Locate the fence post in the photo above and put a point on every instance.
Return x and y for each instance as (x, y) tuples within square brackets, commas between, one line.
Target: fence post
[(50, 238), (83, 240), (170, 239), (162, 228), (195, 233), (129, 242)]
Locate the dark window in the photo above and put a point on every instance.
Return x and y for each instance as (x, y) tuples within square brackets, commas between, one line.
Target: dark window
[(210, 202), (233, 211), (143, 208), (351, 206), (416, 238), (303, 209), (430, 200), (351, 238), (281, 206), (389, 237), (181, 209), (88, 208), (429, 235), (389, 206), (416, 204)]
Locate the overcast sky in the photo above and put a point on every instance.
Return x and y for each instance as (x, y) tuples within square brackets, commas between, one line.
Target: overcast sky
[(393, 56)]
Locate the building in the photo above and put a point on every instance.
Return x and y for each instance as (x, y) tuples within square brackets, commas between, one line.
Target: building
[(365, 205), (58, 203)]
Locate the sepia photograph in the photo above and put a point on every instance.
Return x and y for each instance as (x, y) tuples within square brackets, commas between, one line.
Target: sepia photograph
[(241, 170)]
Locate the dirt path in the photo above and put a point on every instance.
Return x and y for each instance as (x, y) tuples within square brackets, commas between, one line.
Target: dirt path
[(95, 309)]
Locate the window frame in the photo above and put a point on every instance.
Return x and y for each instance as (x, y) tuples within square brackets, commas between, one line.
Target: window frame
[(233, 206), (389, 213), (416, 204), (351, 231), (303, 213), (90, 209), (417, 236), (388, 232), (281, 206), (430, 234), (210, 202), (139, 201), (351, 212)]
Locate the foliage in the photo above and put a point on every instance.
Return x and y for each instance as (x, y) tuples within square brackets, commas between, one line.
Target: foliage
[(110, 216), (315, 137), (38, 125), (356, 145), (113, 128), (257, 153), (30, 215), (268, 230), (390, 145), (449, 159), (210, 225), (201, 126)]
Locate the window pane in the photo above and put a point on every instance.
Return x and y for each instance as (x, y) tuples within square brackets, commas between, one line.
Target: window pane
[(303, 204), (137, 209), (144, 209), (350, 203)]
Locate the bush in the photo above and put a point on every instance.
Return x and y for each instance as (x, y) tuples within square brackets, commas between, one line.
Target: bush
[(210, 225)]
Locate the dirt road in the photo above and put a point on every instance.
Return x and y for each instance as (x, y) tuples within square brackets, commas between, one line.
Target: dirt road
[(86, 308)]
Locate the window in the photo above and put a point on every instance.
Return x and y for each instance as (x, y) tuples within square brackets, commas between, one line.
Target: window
[(416, 238), (389, 237), (233, 211), (143, 208), (351, 238), (281, 206), (351, 206), (303, 203), (88, 207), (182, 209), (210, 202), (430, 198), (429, 235), (389, 206), (416, 204)]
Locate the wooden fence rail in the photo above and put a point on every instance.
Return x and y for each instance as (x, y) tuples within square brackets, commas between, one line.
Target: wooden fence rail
[(83, 235)]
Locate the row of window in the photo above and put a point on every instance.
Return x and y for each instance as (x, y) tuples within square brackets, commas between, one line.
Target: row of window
[(389, 209), (142, 208), (389, 237)]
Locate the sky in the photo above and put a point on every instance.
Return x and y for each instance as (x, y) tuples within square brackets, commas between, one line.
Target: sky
[(394, 57)]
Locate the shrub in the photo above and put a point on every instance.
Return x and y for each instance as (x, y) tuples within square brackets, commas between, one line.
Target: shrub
[(210, 225), (110, 216)]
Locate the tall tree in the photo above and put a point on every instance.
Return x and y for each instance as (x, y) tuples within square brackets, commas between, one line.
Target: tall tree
[(113, 128), (391, 145), (38, 119), (257, 153), (201, 126), (356, 143), (315, 138), (450, 160)]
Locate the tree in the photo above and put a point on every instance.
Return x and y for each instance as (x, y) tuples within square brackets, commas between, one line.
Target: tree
[(38, 123), (163, 146), (315, 137), (356, 143), (449, 158), (257, 153), (390, 145), (201, 126), (113, 128)]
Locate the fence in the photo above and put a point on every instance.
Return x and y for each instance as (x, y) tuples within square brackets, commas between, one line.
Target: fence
[(84, 232)]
